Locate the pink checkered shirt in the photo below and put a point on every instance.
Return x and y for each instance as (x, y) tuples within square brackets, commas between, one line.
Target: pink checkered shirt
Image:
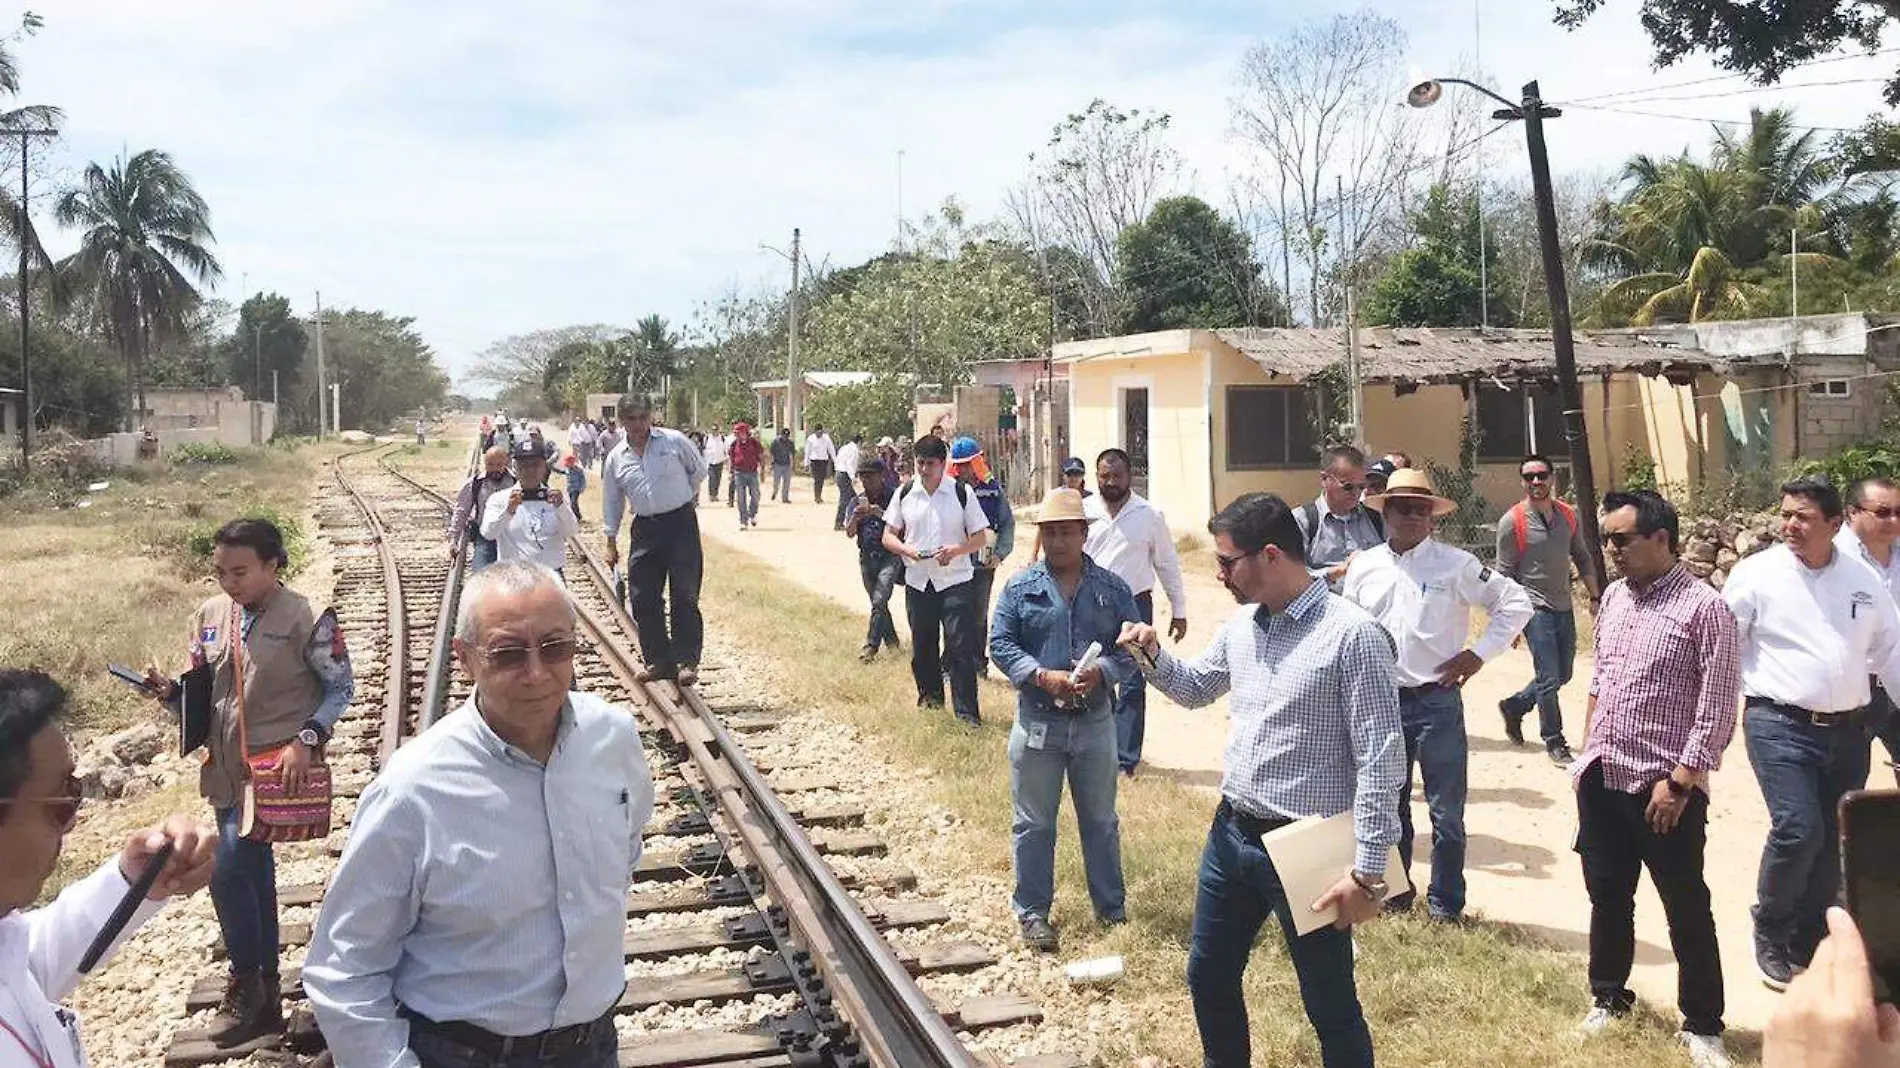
[(1667, 682)]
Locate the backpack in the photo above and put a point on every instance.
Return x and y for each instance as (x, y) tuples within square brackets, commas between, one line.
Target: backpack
[(1309, 524), (1521, 522)]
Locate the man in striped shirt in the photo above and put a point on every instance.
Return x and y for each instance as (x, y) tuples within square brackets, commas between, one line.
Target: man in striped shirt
[(1662, 709), (1314, 731)]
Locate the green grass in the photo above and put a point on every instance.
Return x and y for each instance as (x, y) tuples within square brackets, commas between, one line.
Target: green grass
[(1484, 995)]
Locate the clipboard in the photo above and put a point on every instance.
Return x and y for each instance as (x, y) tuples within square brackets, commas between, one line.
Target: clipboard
[(1311, 855), (194, 708)]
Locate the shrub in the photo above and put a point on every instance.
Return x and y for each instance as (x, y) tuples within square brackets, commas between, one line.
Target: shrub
[(195, 543), (209, 452), (1871, 459)]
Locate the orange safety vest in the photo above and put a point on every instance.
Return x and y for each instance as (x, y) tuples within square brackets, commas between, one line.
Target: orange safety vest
[(1521, 522)]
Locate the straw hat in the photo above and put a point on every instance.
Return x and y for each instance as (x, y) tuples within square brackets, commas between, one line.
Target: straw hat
[(1061, 506), (1411, 482)]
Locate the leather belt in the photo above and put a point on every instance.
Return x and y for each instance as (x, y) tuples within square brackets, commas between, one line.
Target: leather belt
[(1420, 691), (1808, 716), (1248, 824), (543, 1045)]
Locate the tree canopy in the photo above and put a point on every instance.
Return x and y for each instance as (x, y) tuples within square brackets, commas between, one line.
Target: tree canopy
[(1187, 266), (1437, 282)]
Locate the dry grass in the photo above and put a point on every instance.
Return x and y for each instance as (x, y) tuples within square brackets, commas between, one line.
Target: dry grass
[(113, 582), (1486, 995)]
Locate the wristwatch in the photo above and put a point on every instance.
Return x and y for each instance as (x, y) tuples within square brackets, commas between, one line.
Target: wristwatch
[(1375, 888), (1676, 788), (312, 734)]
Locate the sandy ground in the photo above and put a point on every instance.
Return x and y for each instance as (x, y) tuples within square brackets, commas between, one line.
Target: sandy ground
[(1520, 821)]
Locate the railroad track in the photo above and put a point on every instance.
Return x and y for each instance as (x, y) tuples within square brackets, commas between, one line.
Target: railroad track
[(758, 911)]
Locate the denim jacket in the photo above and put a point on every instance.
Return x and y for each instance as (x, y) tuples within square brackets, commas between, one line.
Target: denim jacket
[(1035, 627)]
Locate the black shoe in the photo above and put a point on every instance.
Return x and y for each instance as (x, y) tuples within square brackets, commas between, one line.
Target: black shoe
[(934, 706), (246, 1013), (1039, 935), (1513, 723), (1561, 755), (867, 654), (1111, 921), (1776, 972)]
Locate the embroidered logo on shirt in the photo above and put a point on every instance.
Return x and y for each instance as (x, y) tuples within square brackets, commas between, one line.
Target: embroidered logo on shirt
[(208, 636)]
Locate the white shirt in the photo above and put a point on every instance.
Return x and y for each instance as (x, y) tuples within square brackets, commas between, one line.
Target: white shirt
[(1809, 637), (538, 531), (1136, 545), (715, 451), (580, 434), (819, 447), (847, 459), (925, 520), (1423, 598), (39, 964), (1849, 542)]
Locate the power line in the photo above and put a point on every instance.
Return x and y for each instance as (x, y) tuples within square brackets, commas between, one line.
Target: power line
[(1737, 91), (1703, 119), (1720, 78), (1676, 401)]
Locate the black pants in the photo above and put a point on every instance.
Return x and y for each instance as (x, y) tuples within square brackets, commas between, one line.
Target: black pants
[(665, 552), (982, 584), (1616, 843), (820, 474), (713, 473), (952, 612)]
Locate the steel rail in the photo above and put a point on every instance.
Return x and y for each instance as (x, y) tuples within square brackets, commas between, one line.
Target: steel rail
[(435, 688), (893, 1019), (396, 656)]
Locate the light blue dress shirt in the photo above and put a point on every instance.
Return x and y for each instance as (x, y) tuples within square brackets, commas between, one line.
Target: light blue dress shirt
[(1037, 627), (665, 477), (482, 887)]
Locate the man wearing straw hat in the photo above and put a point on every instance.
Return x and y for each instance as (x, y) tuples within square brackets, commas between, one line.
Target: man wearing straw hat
[(1421, 590), (1048, 616)]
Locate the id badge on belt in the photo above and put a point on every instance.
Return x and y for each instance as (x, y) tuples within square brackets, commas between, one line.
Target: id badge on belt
[(1038, 735)]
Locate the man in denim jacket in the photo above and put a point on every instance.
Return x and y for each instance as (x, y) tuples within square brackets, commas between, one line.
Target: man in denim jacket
[(1048, 616)]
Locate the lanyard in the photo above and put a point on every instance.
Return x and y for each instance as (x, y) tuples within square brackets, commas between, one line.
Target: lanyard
[(46, 1062)]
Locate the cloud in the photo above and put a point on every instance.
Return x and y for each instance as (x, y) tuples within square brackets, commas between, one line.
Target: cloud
[(492, 168)]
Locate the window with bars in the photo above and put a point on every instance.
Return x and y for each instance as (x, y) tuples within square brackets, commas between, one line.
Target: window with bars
[(1269, 427), (1504, 417)]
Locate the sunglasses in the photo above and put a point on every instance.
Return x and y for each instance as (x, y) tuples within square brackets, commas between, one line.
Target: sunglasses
[(64, 808), (1879, 511), (1622, 538), (1537, 476), (1349, 487), (1226, 564), (515, 657), (1396, 504)]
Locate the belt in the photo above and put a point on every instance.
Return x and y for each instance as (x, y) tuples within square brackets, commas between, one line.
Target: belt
[(1420, 691), (544, 1045), (1803, 715), (1249, 824)]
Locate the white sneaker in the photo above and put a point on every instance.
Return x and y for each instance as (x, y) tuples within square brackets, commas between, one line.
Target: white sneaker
[(1596, 1022), (1705, 1051)]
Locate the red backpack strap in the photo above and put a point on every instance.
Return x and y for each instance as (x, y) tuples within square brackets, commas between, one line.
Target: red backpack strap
[(1569, 514), (1520, 527)]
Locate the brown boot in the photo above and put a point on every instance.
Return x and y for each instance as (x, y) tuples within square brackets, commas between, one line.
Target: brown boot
[(246, 1014)]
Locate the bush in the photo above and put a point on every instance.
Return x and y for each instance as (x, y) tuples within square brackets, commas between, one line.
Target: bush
[(876, 408), (197, 540), (1873, 459), (1639, 468), (210, 452)]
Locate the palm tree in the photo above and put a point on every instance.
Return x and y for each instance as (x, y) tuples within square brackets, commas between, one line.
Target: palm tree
[(146, 231)]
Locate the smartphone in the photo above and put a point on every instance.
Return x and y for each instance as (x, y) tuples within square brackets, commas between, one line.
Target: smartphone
[(135, 679), (1870, 871), (539, 493)]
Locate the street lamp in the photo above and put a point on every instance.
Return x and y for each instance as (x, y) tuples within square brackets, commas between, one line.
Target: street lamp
[(1532, 111)]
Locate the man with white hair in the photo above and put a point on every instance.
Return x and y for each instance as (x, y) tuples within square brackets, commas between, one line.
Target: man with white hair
[(479, 911)]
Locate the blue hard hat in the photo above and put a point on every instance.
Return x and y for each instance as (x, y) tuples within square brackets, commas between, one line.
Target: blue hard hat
[(964, 448)]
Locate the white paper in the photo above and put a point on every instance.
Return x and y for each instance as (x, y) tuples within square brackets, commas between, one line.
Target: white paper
[(1313, 854)]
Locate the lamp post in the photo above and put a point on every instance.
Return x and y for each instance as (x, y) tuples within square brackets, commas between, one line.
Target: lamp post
[(1532, 111)]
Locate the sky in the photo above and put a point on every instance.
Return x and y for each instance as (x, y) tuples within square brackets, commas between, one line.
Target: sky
[(493, 168)]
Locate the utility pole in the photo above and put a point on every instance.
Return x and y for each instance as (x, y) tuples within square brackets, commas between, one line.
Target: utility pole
[(791, 346), (1576, 435), (322, 389), (26, 354), (258, 332)]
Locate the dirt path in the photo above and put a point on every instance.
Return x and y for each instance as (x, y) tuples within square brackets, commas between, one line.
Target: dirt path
[(1521, 820)]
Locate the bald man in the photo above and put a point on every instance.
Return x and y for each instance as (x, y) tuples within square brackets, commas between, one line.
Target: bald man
[(465, 522)]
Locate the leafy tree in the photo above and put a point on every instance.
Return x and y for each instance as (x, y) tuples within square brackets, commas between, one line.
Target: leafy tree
[(1761, 40), (876, 408), (147, 234), (653, 351), (191, 357), (1186, 266), (518, 366), (269, 341), (75, 385), (1437, 281), (383, 368)]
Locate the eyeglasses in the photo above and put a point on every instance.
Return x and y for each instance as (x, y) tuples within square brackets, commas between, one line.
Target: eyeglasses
[(64, 808), (1537, 476), (515, 657), (1878, 511), (1621, 539), (1349, 487), (1396, 504), (1226, 564)]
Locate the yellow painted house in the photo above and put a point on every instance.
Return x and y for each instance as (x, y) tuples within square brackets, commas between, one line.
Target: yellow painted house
[(1210, 414)]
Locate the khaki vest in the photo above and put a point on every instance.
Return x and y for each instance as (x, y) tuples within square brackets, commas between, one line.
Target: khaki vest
[(280, 690)]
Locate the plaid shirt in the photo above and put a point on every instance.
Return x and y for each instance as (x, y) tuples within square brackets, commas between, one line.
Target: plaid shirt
[(1314, 715), (1667, 682)]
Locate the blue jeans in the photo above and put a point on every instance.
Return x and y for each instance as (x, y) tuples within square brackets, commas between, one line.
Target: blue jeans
[(782, 482), (1042, 751), (434, 1051), (1803, 771), (1434, 725), (1238, 891), (1131, 702), (1552, 637), (244, 893), (881, 572), (746, 485), (486, 552)]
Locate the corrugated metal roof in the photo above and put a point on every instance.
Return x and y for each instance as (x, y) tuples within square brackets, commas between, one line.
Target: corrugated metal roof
[(1440, 354)]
